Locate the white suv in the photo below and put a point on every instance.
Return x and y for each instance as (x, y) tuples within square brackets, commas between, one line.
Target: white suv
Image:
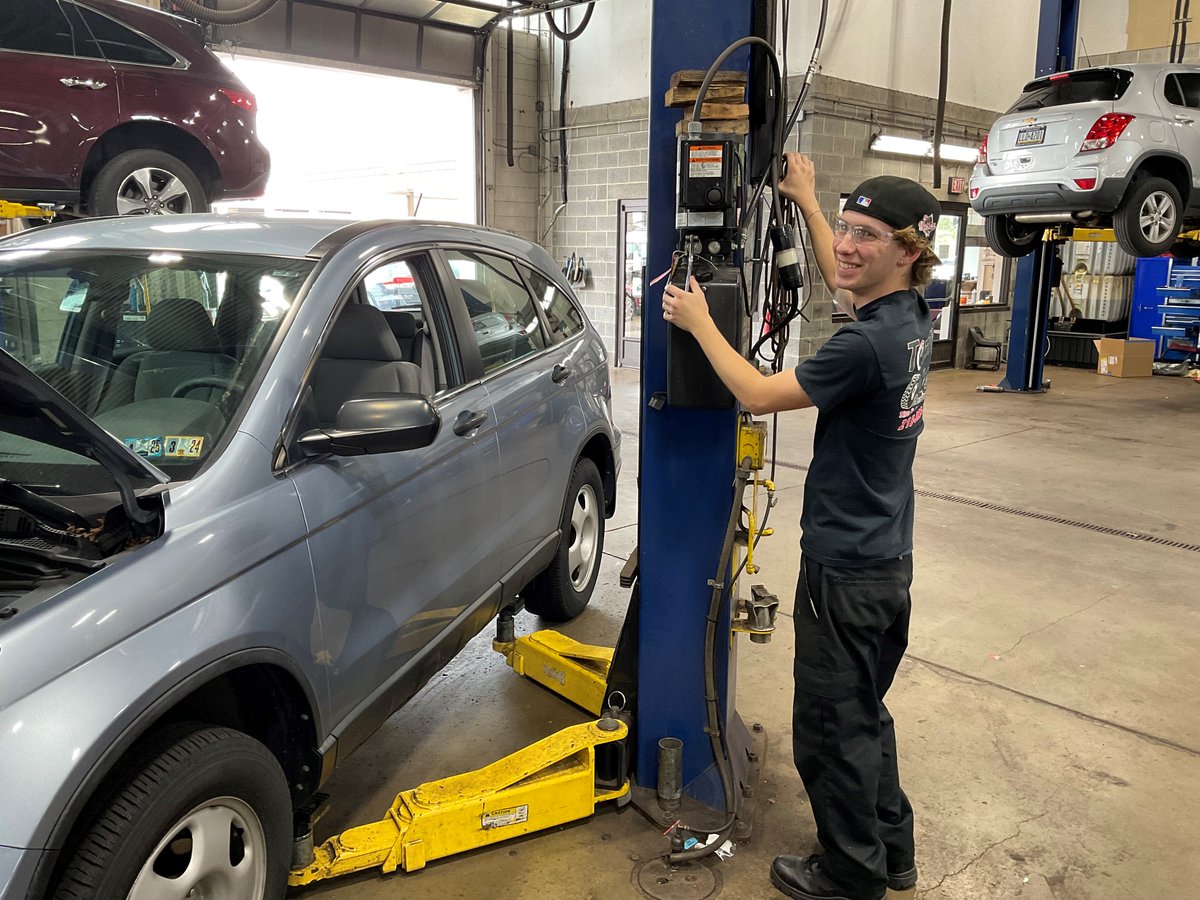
[(1114, 146)]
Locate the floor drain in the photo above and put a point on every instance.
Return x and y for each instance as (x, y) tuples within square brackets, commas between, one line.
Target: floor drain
[(659, 880)]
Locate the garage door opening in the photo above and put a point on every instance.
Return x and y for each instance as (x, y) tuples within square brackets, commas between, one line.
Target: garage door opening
[(360, 144)]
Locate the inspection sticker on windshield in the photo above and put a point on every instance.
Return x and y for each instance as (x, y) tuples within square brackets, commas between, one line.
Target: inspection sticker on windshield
[(183, 445), (145, 446), (502, 818)]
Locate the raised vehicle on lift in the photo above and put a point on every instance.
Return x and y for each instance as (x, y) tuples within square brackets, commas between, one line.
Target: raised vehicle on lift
[(1105, 147), (112, 108), (248, 507)]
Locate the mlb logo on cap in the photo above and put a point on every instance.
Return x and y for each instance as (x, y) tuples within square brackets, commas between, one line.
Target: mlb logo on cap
[(864, 201)]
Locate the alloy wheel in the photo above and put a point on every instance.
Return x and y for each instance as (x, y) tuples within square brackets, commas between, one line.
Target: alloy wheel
[(1158, 218), (152, 191)]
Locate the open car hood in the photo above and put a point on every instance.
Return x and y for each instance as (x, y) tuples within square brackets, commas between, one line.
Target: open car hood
[(31, 408)]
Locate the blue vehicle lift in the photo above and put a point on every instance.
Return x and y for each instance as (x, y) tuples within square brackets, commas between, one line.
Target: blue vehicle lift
[(1037, 273)]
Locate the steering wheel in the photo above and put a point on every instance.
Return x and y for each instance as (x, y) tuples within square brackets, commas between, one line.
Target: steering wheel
[(203, 381)]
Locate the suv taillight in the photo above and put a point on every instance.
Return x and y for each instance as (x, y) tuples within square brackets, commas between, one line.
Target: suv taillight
[(983, 149), (1106, 131), (244, 99)]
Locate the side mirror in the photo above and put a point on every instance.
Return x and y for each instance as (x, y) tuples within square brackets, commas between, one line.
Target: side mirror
[(376, 423)]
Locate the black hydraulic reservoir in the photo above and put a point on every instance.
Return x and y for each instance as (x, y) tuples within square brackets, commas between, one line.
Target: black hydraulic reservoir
[(691, 381)]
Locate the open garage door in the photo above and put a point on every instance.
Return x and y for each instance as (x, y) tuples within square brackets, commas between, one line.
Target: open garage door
[(361, 144)]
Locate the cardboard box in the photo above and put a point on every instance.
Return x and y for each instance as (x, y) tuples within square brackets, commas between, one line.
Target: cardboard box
[(1133, 358)]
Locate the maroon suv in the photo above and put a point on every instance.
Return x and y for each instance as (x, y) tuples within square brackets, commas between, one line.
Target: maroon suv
[(112, 108)]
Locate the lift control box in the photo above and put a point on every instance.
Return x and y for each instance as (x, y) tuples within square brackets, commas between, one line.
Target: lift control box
[(710, 167), (691, 381)]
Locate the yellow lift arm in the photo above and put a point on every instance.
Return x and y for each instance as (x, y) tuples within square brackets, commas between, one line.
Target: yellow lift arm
[(10, 210), (548, 783), (578, 672)]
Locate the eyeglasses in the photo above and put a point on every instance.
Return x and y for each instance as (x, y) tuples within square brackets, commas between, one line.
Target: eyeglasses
[(859, 235)]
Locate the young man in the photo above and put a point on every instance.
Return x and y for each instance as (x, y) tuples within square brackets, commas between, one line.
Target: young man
[(852, 600)]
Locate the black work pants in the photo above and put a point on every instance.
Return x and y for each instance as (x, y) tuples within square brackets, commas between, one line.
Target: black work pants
[(851, 632)]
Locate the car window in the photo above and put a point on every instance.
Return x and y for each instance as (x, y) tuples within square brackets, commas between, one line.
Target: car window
[(503, 318), (1183, 89), (40, 26), (1078, 87), (562, 315), (158, 348), (121, 44), (396, 288)]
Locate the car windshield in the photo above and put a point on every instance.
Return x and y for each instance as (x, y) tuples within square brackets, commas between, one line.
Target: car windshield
[(1076, 87), (158, 348)]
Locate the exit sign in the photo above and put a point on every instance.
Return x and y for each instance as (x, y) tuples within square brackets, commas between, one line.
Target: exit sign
[(958, 185)]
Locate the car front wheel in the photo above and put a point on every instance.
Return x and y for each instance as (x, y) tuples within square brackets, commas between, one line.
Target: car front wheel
[(563, 590), (202, 812), (146, 183), (1010, 238), (1148, 219)]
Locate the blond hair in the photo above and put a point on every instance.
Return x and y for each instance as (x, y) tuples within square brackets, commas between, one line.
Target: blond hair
[(922, 268)]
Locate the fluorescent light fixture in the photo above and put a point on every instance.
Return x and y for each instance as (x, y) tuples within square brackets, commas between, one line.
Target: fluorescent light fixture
[(906, 146)]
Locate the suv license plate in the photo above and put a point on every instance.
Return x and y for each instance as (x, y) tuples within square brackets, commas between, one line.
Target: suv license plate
[(1030, 135)]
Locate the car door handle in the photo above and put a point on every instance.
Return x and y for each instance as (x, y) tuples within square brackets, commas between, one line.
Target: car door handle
[(89, 83), (468, 420), (1184, 120), (560, 373)]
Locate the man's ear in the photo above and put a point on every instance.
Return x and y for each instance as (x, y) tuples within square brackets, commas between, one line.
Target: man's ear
[(908, 256)]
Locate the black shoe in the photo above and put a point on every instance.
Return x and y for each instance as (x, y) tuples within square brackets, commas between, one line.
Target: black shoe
[(902, 881), (802, 878)]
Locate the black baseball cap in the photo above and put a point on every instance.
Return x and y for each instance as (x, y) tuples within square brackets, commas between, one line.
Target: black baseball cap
[(900, 202)]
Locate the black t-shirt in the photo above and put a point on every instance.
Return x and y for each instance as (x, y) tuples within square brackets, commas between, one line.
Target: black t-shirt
[(868, 384)]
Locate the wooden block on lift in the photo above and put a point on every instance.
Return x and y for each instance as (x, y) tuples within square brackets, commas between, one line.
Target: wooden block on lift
[(721, 111), (686, 95), (696, 76), (723, 126)]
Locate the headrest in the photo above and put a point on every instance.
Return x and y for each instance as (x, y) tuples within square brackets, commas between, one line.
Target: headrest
[(404, 325), (178, 323), (361, 332)]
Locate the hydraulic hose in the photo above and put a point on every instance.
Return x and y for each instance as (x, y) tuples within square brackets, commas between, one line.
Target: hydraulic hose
[(508, 97), (1176, 49), (202, 13), (562, 117), (711, 698), (940, 120), (571, 35)]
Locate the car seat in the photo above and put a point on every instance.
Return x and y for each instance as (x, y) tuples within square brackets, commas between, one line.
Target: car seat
[(361, 357), (415, 346), (238, 317), (976, 341), (183, 345)]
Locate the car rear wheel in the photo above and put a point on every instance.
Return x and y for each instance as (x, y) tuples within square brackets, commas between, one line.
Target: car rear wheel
[(1010, 238), (202, 812), (146, 183), (563, 590), (1148, 218)]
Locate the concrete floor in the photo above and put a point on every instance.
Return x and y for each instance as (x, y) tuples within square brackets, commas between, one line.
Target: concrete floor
[(1045, 712)]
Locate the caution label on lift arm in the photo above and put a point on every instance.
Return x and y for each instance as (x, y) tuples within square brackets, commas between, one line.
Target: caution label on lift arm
[(502, 818)]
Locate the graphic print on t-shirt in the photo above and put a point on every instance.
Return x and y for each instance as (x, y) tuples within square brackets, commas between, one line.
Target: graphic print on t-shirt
[(912, 403)]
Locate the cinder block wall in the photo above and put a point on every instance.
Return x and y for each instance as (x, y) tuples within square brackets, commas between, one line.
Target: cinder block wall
[(510, 199), (606, 163)]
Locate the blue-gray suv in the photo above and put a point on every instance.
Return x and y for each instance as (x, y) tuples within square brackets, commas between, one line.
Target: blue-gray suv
[(249, 505)]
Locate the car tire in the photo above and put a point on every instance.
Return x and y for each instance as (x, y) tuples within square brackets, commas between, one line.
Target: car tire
[(1009, 237), (190, 780), (145, 182), (1148, 219), (562, 591)]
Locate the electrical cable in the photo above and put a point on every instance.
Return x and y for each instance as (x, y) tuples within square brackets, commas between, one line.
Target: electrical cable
[(562, 117), (248, 13)]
